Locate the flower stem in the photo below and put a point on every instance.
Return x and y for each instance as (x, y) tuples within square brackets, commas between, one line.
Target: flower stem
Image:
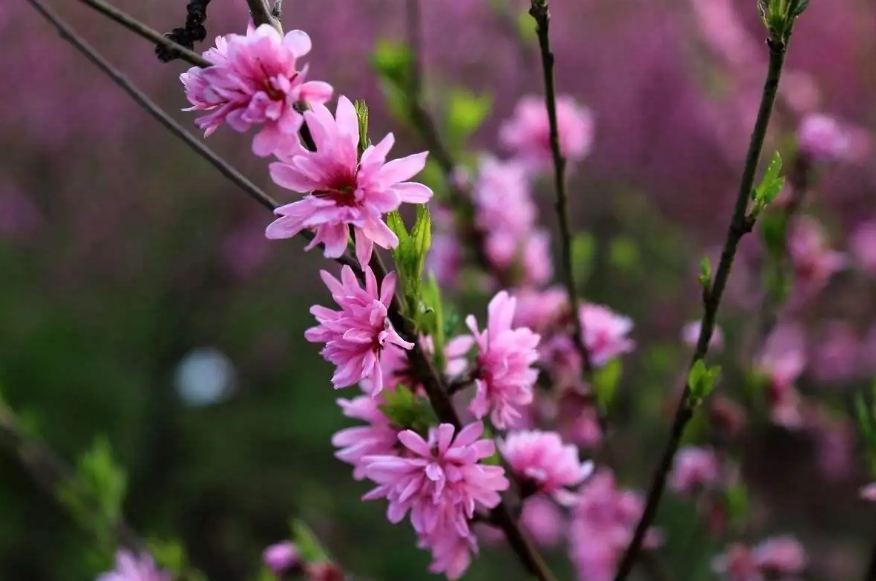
[(740, 224), (541, 13)]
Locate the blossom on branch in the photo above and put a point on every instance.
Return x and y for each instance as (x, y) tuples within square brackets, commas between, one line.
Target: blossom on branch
[(344, 191), (544, 464), (504, 375), (131, 567), (356, 335), (255, 80)]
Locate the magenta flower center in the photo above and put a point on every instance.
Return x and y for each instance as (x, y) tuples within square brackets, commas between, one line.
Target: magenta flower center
[(341, 190)]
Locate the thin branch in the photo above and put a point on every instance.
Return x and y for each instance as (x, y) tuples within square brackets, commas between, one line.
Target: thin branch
[(50, 472), (262, 14), (187, 35), (142, 99), (431, 379), (134, 25), (541, 13), (740, 224)]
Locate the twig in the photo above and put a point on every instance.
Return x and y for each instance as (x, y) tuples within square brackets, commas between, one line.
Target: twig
[(187, 35), (50, 472), (541, 13), (422, 365), (740, 225), (134, 25), (262, 14)]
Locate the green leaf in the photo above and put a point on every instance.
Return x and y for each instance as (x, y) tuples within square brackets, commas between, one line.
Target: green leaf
[(773, 232), (624, 254), (605, 382), (466, 113), (431, 321), (736, 503), (702, 380), (526, 28), (362, 116), (865, 422), (583, 255), (407, 411), (705, 276), (170, 555), (798, 7), (308, 545), (397, 225), (392, 61), (771, 184)]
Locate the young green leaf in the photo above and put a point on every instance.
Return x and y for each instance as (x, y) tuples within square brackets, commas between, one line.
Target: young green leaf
[(702, 380), (407, 411), (362, 116), (771, 184), (605, 382), (308, 545), (466, 113), (705, 276)]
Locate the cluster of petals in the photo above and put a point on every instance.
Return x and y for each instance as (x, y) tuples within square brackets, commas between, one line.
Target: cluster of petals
[(603, 523), (606, 333), (694, 470), (504, 373), (281, 558), (527, 133), (542, 311), (506, 214), (344, 191), (356, 335), (823, 138), (442, 483), (396, 368), (814, 262), (541, 517), (131, 567), (773, 558), (377, 437), (544, 464), (781, 362), (255, 80)]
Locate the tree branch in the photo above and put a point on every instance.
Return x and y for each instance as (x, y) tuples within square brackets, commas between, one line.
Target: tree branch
[(541, 13), (740, 225), (262, 14)]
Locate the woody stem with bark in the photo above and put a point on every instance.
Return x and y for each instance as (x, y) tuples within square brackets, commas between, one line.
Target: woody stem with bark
[(423, 367), (741, 223), (541, 13)]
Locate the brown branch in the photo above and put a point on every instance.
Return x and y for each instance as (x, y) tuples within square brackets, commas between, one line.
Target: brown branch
[(262, 14), (740, 224)]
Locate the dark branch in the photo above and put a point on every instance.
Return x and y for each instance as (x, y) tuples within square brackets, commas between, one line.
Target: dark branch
[(193, 31)]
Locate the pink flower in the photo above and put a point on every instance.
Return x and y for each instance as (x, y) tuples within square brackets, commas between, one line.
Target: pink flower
[(605, 333), (835, 357), (378, 438), (777, 556), (543, 520), (690, 334), (344, 191), (862, 246), (442, 483), (544, 464), (822, 138), (502, 198), (541, 311), (396, 368), (131, 567), (602, 526), (782, 555), (868, 492), (255, 80), (814, 262), (781, 362), (281, 558), (527, 133), (504, 375), (356, 335), (445, 259), (694, 469)]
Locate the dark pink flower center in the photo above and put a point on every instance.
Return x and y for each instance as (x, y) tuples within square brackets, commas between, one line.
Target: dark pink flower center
[(340, 190)]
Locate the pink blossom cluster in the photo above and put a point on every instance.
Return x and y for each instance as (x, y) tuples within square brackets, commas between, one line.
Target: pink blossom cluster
[(780, 557), (781, 362), (694, 470), (813, 260), (255, 79), (602, 526), (133, 567)]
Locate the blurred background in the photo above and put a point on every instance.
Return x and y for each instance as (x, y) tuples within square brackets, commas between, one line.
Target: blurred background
[(141, 302)]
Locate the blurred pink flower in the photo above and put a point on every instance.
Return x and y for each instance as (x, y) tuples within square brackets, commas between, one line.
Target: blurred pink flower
[(445, 259), (544, 465), (504, 375), (862, 246), (835, 356), (540, 310), (690, 333), (822, 138), (378, 438), (694, 470), (605, 333), (537, 263), (773, 558), (814, 262), (255, 80), (868, 492), (281, 558), (781, 362), (441, 482), (527, 133), (344, 191), (602, 525), (577, 419), (131, 567), (543, 520), (355, 336), (502, 198)]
